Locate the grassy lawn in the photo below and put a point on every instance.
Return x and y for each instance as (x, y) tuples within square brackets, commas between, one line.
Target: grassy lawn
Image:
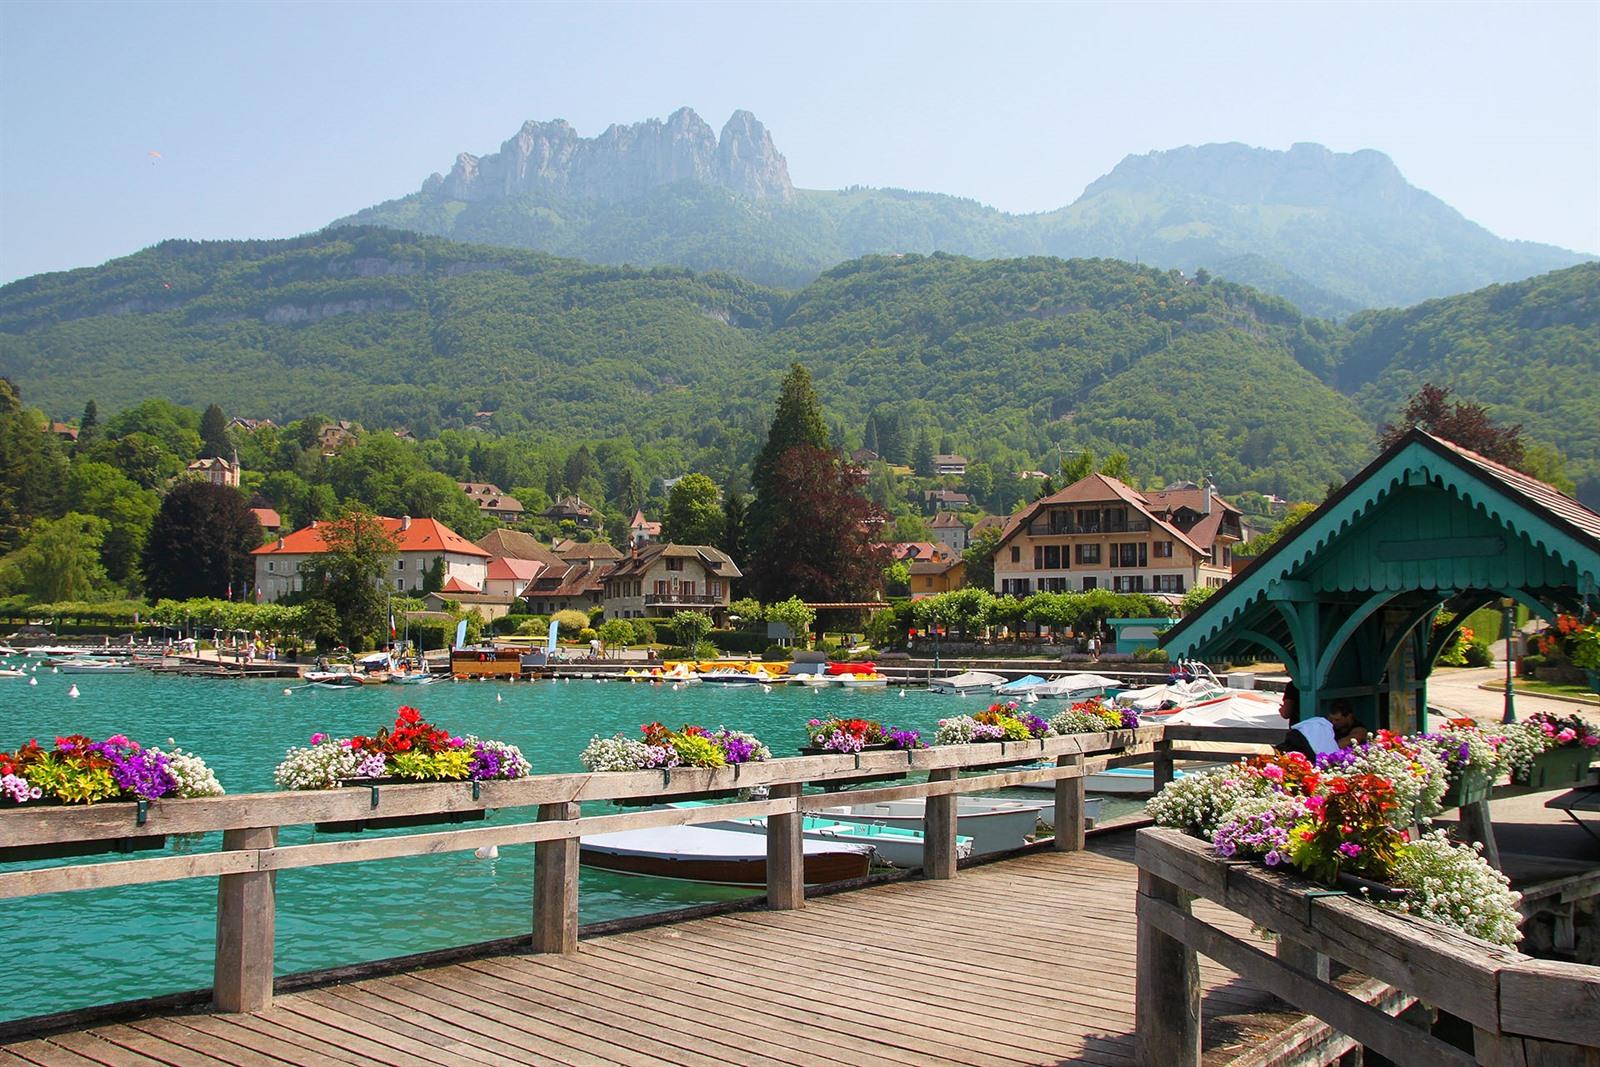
[(1556, 689)]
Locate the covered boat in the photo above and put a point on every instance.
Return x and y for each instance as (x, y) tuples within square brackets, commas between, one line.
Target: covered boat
[(1020, 687), (968, 682), (994, 824), (1076, 687), (722, 857), (897, 846), (1237, 708)]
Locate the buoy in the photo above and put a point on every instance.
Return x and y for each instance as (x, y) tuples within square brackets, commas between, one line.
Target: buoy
[(73, 691), (766, 688), (288, 692), (487, 852), (902, 692), (498, 698), (55, 670), (676, 687), (33, 681)]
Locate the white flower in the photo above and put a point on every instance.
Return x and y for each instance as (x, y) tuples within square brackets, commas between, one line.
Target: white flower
[(193, 777), (322, 766), (1454, 885), (956, 731)]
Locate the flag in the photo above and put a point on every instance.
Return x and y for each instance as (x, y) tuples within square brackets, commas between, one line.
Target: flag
[(258, 592), (230, 590), (392, 631)]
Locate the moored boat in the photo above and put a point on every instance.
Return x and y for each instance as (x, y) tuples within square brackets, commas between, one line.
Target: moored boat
[(1020, 687), (967, 682), (994, 824), (896, 846), (1075, 687), (863, 681), (721, 857), (95, 666)]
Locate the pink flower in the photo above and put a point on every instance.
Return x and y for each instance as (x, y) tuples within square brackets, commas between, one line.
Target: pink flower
[(1549, 731), (1566, 735), (1314, 803), (1592, 741), (1272, 771), (317, 739)]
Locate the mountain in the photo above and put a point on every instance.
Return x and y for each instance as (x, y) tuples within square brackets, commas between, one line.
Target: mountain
[(1008, 359), (1333, 232)]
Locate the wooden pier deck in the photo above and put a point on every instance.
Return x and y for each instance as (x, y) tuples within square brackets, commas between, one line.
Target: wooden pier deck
[(1025, 961)]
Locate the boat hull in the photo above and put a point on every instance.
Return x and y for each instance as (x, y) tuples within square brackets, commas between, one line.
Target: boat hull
[(997, 829), (820, 869)]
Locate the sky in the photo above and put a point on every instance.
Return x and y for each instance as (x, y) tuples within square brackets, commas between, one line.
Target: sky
[(123, 124)]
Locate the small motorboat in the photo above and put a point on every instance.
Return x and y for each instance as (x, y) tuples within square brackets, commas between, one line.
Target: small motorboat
[(54, 651), (1020, 687), (9, 672), (96, 666), (1170, 696), (411, 678), (993, 824), (1236, 708), (337, 677), (1128, 781), (721, 857), (731, 679), (863, 681), (896, 846), (968, 682), (1075, 687), (6, 651)]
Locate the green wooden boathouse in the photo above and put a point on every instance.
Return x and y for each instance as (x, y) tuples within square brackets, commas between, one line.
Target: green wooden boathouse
[(1349, 598)]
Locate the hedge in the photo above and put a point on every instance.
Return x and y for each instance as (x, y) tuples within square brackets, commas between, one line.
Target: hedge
[(741, 641)]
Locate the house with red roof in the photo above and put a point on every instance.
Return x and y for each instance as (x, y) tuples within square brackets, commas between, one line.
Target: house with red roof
[(271, 522), (641, 531), (511, 578), (419, 543)]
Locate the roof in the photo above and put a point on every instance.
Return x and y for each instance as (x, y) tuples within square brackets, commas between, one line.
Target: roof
[(470, 598), (1096, 489), (995, 522), (948, 520), (267, 517), (950, 459), (572, 579), (64, 430), (714, 560), (210, 463), (409, 535), (571, 504), (502, 569), (936, 566), (914, 550), (1187, 496), (1531, 489), (514, 544), (569, 550), (639, 522), (456, 585)]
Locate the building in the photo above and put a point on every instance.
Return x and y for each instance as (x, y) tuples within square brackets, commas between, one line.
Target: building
[(494, 501), (1098, 533), (912, 551), (489, 605), (1208, 520), (335, 436), (864, 456), (63, 431), (579, 586), (511, 578), (950, 464), (582, 551), (514, 544), (641, 531), (929, 577), (947, 499), (573, 509), (238, 422), (664, 579), (419, 544), (950, 530), (271, 522), (216, 470), (996, 523)]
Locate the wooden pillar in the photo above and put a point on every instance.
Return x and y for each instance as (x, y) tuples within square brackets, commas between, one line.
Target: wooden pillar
[(1167, 990), (786, 860), (1162, 765), (1308, 962), (939, 830), (555, 886), (246, 920), (1069, 807), (1476, 825)]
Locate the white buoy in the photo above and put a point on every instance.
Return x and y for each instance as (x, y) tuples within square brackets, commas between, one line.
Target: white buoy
[(288, 692), (487, 852), (73, 691), (676, 687), (33, 681), (55, 670), (498, 698), (765, 688), (902, 692)]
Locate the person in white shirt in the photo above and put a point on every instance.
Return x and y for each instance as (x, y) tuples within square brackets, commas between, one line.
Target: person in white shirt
[(1319, 735)]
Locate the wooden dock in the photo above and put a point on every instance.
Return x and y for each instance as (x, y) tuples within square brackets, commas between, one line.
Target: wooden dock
[(1023, 961)]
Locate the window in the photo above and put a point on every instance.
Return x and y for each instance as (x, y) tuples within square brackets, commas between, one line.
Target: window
[(1038, 558), (1015, 586), (1161, 550), (1130, 555), (1016, 554), (663, 587), (714, 588), (1052, 557), (1128, 583), (1090, 583), (399, 564), (1227, 556), (271, 566), (1169, 583), (1055, 585), (1089, 554), (674, 564), (400, 583)]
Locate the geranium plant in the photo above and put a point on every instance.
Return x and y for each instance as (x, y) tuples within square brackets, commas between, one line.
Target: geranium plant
[(856, 735), (659, 747), (412, 750), (1005, 721), (1415, 772), (80, 770)]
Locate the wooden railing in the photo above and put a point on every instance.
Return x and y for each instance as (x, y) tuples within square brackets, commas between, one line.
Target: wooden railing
[(250, 856), (1522, 1011)]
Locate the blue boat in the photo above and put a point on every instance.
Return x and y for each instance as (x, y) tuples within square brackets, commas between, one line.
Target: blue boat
[(1021, 687)]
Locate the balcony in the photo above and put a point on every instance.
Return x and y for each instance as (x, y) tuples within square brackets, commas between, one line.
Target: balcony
[(1043, 528), (683, 600)]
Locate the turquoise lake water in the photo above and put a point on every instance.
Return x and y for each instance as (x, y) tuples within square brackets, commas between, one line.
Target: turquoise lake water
[(75, 949)]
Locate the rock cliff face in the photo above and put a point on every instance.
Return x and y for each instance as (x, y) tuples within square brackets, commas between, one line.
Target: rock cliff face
[(622, 163)]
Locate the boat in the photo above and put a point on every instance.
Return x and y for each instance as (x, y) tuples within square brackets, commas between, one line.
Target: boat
[(1235, 708), (1075, 687), (54, 650), (411, 678), (896, 846), (1020, 687), (729, 678), (1170, 696), (863, 681), (96, 666), (6, 651), (968, 682), (721, 857), (815, 681), (994, 824), (1128, 781), (9, 672), (1047, 808), (337, 676)]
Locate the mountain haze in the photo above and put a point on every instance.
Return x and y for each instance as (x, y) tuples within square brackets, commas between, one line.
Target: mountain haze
[(1333, 232)]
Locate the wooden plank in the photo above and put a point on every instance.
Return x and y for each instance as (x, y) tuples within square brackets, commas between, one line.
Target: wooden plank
[(46, 1054), (80, 876), (939, 830), (1376, 1030), (555, 886), (251, 1048), (503, 1027), (246, 928), (290, 1033), (786, 883), (1069, 826), (177, 1054), (1550, 1000), (207, 1044), (1167, 997), (94, 1047), (396, 1020), (363, 1034)]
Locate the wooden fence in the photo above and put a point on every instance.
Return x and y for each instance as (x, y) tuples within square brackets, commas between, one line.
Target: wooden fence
[(250, 856), (1522, 1011)]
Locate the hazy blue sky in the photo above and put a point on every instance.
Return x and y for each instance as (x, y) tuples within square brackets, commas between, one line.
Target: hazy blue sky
[(272, 119)]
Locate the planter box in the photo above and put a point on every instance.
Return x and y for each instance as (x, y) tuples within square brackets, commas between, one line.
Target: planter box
[(1473, 787), (1558, 768), (674, 798), (383, 822), (1367, 889), (69, 849), (1025, 758), (833, 785)]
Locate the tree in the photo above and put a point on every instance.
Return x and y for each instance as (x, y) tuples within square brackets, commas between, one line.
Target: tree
[(794, 613), (101, 489), (200, 543), (1116, 466), (615, 633), (869, 437), (796, 423), (214, 433), (979, 557), (88, 425), (922, 458), (1076, 466), (748, 609), (1195, 597), (348, 574), (979, 482), (570, 621), (1291, 518), (820, 542), (733, 538), (1465, 424), (60, 560), (31, 467), (897, 578), (692, 627), (433, 577), (694, 517)]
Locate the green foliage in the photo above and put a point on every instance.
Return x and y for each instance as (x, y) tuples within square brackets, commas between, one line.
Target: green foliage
[(748, 609), (32, 467), (1291, 518), (979, 557), (345, 577), (616, 633), (59, 560), (200, 542), (694, 516), (692, 627), (1195, 597), (793, 613), (570, 621)]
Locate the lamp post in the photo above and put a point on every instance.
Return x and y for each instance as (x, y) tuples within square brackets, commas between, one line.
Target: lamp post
[(1509, 604)]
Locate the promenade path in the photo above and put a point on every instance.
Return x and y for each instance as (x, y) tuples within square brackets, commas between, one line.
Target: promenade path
[(1024, 961)]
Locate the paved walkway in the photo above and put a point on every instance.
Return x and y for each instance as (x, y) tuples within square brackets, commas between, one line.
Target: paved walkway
[(1456, 688)]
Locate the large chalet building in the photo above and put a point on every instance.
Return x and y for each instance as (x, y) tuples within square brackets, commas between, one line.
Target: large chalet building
[(663, 579), (418, 543), (1101, 534)]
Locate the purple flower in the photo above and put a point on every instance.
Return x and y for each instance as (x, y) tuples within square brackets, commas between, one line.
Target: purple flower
[(905, 739), (1349, 849), (1037, 727), (485, 764), (372, 766), (735, 749)]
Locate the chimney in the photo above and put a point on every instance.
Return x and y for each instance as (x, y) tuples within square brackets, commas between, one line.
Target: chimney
[(1205, 507), (405, 520), (280, 541)]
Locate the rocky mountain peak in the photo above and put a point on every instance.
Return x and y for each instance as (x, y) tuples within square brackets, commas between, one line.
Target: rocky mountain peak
[(623, 162)]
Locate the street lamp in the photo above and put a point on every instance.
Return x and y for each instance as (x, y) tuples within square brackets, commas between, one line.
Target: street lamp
[(1509, 605)]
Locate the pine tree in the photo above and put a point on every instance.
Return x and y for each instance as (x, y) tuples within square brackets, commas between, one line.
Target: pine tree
[(892, 436), (732, 540), (797, 421), (869, 438), (922, 459), (214, 433), (88, 426)]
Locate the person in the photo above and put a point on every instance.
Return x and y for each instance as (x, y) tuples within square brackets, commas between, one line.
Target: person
[(1346, 730), (1319, 735)]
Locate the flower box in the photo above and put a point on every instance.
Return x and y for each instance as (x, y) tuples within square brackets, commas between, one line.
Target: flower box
[(663, 750), (384, 822), (1367, 889), (833, 785), (674, 798), (56, 850), (1558, 767), (1469, 787)]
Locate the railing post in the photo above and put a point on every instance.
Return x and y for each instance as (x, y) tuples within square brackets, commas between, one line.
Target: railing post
[(1162, 767), (1477, 825), (1069, 806), (1167, 987), (939, 829), (1307, 961), (246, 920), (555, 886), (786, 860)]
